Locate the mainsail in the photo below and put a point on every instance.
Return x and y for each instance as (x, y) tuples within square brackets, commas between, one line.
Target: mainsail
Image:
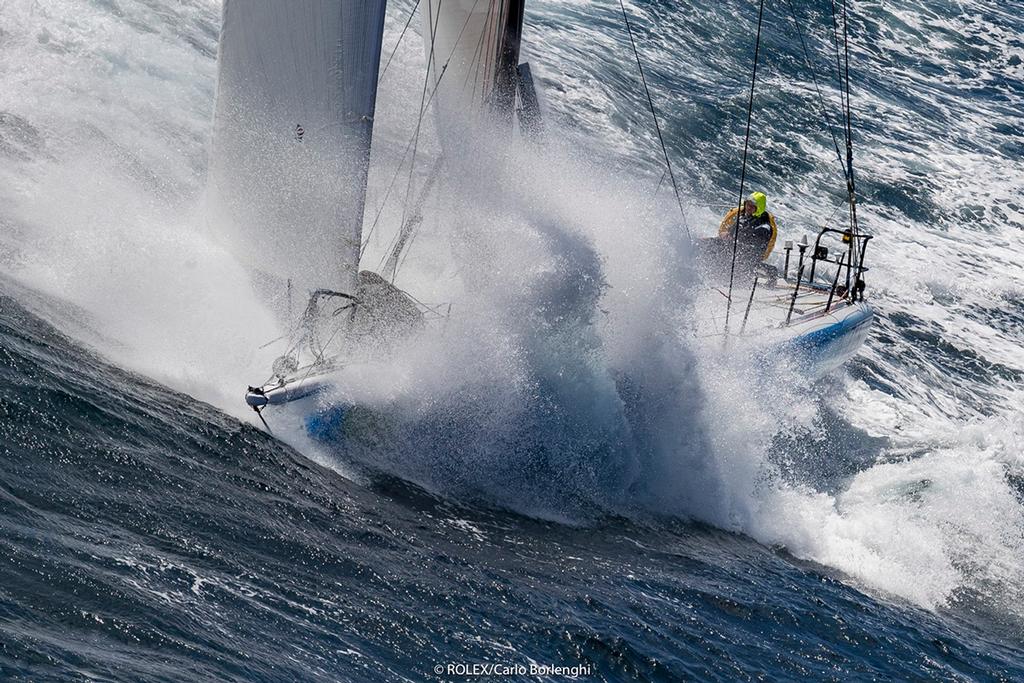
[(472, 53), (296, 92)]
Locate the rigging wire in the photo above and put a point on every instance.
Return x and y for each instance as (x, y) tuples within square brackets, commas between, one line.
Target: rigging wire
[(843, 75), (475, 64), (661, 180), (402, 35), (387, 193), (486, 51), (398, 243), (817, 87), (743, 171), (849, 127), (851, 181), (844, 92), (408, 146), (654, 114), (419, 120), (839, 65), (401, 162)]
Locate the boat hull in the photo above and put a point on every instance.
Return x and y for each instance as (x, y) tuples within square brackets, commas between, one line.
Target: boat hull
[(286, 392), (817, 344), (827, 345), (308, 402)]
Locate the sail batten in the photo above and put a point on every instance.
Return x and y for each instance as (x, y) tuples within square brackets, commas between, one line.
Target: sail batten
[(293, 121)]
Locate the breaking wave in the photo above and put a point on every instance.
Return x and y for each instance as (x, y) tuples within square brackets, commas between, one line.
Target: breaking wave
[(566, 385)]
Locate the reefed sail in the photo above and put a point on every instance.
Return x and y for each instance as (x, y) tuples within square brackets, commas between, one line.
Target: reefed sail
[(296, 92)]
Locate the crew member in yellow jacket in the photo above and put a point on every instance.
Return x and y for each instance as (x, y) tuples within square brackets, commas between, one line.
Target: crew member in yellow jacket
[(757, 230)]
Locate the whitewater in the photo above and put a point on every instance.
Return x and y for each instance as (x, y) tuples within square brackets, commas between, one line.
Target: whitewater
[(569, 404)]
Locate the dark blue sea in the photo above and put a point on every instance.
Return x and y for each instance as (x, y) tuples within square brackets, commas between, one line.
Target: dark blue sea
[(522, 505)]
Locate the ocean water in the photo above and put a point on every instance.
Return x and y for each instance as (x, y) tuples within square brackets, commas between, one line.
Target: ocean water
[(561, 478)]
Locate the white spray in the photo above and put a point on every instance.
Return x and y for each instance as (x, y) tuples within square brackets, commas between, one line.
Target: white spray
[(567, 385)]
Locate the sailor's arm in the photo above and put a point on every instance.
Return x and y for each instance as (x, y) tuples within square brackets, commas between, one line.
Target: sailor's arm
[(771, 240), (728, 223)]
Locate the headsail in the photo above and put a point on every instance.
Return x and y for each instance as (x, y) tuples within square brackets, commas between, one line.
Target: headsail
[(296, 92)]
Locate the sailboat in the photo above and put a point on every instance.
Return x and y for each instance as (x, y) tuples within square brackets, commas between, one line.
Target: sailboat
[(813, 314), (814, 318), (808, 307), (293, 130), (292, 135)]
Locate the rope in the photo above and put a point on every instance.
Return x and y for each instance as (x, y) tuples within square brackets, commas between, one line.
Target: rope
[(654, 114), (408, 146), (402, 35), (817, 88), (743, 171), (419, 120), (849, 128), (839, 64), (843, 74)]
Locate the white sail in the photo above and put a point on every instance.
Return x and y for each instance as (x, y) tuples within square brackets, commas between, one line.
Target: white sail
[(296, 91), (472, 51)]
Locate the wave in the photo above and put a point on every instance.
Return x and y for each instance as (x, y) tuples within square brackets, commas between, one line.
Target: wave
[(571, 390)]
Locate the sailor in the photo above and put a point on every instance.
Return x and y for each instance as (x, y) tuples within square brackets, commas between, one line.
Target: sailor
[(757, 230)]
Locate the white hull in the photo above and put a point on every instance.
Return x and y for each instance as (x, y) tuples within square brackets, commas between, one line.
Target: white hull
[(818, 331), (817, 340)]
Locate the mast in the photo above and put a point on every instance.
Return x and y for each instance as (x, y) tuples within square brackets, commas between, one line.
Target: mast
[(293, 123), (506, 75)]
